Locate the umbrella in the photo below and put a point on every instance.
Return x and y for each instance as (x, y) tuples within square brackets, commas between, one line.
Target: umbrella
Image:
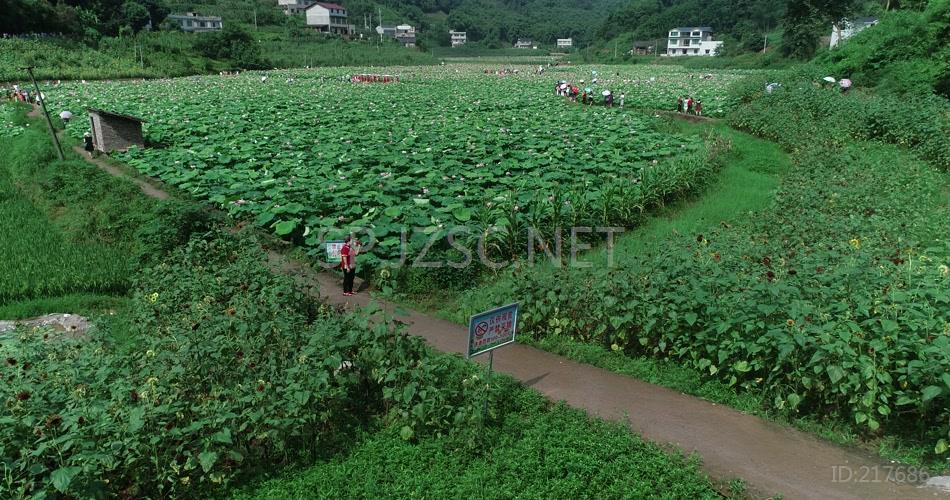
[(562, 82), (829, 79), (563, 86), (65, 115), (845, 83), (605, 93)]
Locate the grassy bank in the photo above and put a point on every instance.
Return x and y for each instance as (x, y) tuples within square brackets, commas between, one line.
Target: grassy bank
[(78, 233), (536, 451), (751, 173)]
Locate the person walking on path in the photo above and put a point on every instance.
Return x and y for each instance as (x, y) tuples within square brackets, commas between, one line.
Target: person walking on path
[(623, 96), (87, 144), (679, 104), (348, 255), (699, 108)]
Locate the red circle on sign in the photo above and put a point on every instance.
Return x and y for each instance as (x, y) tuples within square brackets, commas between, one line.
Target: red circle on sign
[(481, 329)]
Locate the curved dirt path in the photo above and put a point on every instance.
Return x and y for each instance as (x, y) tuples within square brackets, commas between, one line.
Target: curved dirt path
[(771, 459)]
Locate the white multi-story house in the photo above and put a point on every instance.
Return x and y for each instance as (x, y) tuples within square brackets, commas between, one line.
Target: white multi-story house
[(458, 38), (196, 23), (404, 34), (328, 18), (692, 41), (565, 43), (848, 28)]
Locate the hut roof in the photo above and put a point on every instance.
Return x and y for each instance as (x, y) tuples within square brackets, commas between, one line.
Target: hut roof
[(118, 115)]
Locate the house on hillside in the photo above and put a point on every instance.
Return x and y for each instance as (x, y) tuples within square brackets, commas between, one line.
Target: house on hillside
[(524, 43), (692, 41), (403, 33), (565, 43), (458, 38), (193, 22), (328, 18), (643, 48), (114, 131), (292, 7), (848, 28)]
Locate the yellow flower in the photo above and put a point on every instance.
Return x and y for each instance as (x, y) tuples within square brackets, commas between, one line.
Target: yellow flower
[(185, 480), (790, 322), (855, 242), (152, 297), (944, 270)]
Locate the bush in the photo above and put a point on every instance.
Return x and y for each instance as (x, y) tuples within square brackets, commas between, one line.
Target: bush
[(232, 369), (802, 113)]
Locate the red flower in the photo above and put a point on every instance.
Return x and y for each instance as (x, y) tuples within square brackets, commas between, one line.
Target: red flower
[(819, 269), (767, 262), (239, 355), (260, 387), (23, 395), (770, 275), (26, 366), (717, 257), (54, 421), (11, 361), (134, 395)]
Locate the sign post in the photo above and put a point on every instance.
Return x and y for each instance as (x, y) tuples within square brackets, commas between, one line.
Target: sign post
[(333, 252), (490, 330)]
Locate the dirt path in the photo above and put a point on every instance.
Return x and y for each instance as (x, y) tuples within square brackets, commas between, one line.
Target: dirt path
[(147, 188), (771, 459)]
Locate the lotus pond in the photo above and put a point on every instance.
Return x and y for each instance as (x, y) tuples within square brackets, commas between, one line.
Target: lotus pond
[(304, 151)]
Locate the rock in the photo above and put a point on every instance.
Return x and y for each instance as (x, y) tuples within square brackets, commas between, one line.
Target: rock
[(941, 483), (69, 326)]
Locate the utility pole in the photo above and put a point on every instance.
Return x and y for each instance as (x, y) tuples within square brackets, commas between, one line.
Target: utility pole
[(381, 29), (255, 18), (49, 122)]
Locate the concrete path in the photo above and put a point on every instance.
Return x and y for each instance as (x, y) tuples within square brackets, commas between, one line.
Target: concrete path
[(771, 459)]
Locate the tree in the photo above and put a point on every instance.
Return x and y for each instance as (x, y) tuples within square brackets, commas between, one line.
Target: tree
[(807, 20), (134, 15)]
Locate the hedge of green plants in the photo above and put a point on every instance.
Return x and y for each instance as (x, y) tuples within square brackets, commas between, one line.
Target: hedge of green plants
[(231, 371), (802, 113), (835, 301)]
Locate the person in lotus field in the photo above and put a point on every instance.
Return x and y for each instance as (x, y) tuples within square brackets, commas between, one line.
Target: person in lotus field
[(351, 248)]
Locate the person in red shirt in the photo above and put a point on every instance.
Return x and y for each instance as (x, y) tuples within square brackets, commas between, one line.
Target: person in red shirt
[(348, 255)]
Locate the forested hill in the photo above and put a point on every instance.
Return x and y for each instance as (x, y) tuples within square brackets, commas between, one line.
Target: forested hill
[(495, 23), (745, 21)]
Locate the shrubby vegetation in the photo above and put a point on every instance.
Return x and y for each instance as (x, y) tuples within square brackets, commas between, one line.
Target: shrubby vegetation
[(230, 369)]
